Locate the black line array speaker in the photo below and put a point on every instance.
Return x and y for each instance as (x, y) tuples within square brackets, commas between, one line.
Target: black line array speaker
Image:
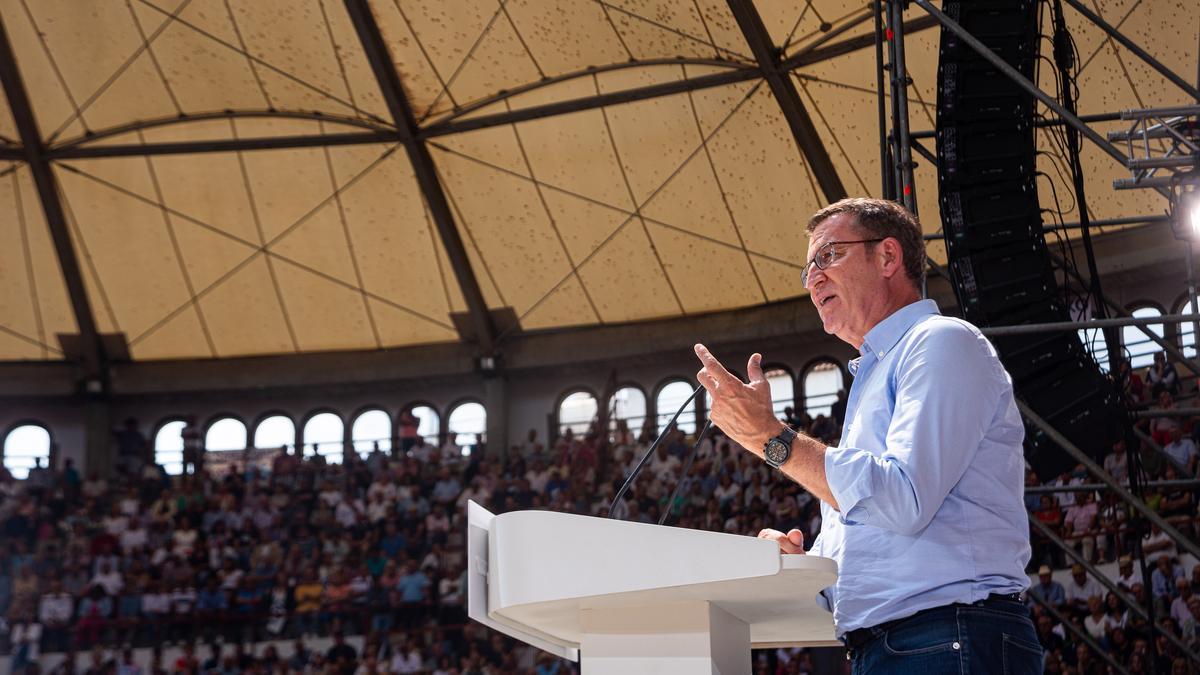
[(992, 221)]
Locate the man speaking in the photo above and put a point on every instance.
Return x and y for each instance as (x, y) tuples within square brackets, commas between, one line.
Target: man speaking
[(922, 499)]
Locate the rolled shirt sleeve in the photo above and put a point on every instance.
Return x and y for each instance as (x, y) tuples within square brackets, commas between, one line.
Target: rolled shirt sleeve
[(946, 392)]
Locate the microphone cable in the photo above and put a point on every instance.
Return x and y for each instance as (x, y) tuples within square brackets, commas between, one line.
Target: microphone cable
[(692, 452), (612, 509)]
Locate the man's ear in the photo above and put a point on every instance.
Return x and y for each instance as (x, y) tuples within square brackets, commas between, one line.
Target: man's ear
[(891, 257)]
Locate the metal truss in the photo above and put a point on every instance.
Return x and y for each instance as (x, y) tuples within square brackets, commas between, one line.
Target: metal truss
[(1161, 139)]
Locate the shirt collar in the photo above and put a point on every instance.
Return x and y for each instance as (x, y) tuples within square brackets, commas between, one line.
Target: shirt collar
[(888, 332)]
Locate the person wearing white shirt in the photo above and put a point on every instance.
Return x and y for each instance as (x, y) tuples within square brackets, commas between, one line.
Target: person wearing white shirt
[(1097, 623), (407, 659), (346, 514), (110, 579), (1182, 450), (664, 465), (1127, 575), (1081, 588), (378, 508), (1179, 606), (55, 610), (134, 537)]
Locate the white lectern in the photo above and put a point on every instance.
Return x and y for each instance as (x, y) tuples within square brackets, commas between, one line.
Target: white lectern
[(637, 598)]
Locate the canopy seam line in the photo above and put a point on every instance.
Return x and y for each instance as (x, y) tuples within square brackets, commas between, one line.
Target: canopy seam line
[(553, 224), (187, 277), (630, 217), (721, 190), (350, 242), (612, 139), (461, 64)]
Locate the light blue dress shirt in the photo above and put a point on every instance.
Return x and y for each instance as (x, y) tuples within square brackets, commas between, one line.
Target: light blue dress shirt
[(929, 475)]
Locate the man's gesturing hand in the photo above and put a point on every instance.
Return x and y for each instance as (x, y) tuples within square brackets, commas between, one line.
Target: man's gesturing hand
[(792, 542), (742, 410)]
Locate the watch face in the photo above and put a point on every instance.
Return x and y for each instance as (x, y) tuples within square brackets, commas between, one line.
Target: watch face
[(776, 452)]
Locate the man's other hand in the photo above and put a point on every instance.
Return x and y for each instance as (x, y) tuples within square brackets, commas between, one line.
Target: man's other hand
[(792, 542)]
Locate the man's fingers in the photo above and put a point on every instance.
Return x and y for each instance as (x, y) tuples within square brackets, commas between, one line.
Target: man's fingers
[(713, 366), (754, 368), (796, 537), (707, 380), (787, 542)]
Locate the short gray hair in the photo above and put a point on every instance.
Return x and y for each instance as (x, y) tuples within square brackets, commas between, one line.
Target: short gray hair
[(883, 218)]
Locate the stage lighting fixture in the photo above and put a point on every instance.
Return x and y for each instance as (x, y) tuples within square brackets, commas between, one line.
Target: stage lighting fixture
[(1186, 217)]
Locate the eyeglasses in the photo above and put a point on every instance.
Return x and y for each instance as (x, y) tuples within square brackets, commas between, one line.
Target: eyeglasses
[(828, 254)]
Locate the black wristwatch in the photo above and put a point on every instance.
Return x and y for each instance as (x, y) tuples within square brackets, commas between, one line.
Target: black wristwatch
[(777, 450)]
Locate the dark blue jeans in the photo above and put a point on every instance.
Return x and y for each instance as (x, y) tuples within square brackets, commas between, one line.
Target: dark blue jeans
[(990, 636)]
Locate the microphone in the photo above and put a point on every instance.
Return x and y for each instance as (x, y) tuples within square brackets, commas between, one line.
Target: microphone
[(686, 468), (612, 509)]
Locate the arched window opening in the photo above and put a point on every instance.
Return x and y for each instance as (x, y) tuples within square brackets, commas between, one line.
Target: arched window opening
[(577, 412), (821, 384), (224, 446), (670, 397), (225, 434), (275, 432), (24, 448), (372, 429), (1138, 346), (429, 423), (168, 447), (466, 425), (628, 407), (783, 390), (323, 435)]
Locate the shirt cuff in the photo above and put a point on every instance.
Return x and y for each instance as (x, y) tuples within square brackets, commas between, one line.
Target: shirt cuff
[(848, 473)]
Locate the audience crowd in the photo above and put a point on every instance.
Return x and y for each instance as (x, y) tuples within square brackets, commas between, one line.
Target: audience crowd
[(225, 565)]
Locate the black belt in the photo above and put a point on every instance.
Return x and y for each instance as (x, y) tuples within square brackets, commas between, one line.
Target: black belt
[(859, 637)]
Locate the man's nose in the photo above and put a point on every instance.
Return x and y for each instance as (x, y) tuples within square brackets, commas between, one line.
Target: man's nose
[(815, 276)]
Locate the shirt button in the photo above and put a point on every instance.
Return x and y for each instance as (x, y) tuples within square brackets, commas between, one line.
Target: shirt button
[(956, 646)]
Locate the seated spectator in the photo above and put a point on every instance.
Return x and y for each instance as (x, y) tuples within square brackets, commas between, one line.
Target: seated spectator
[(1048, 589), (1079, 525), (1179, 606), (1182, 449), (1161, 427), (93, 613), (1081, 589), (307, 596), (1118, 616), (1097, 623), (341, 656), (109, 578), (1161, 376), (1127, 574), (1116, 463), (1163, 581), (1158, 542)]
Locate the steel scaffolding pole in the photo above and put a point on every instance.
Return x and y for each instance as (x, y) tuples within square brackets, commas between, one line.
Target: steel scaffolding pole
[(1079, 633), (1109, 222), (1021, 81), (1133, 47), (906, 187), (1169, 348), (1099, 576), (1101, 487), (1056, 326), (1099, 472)]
